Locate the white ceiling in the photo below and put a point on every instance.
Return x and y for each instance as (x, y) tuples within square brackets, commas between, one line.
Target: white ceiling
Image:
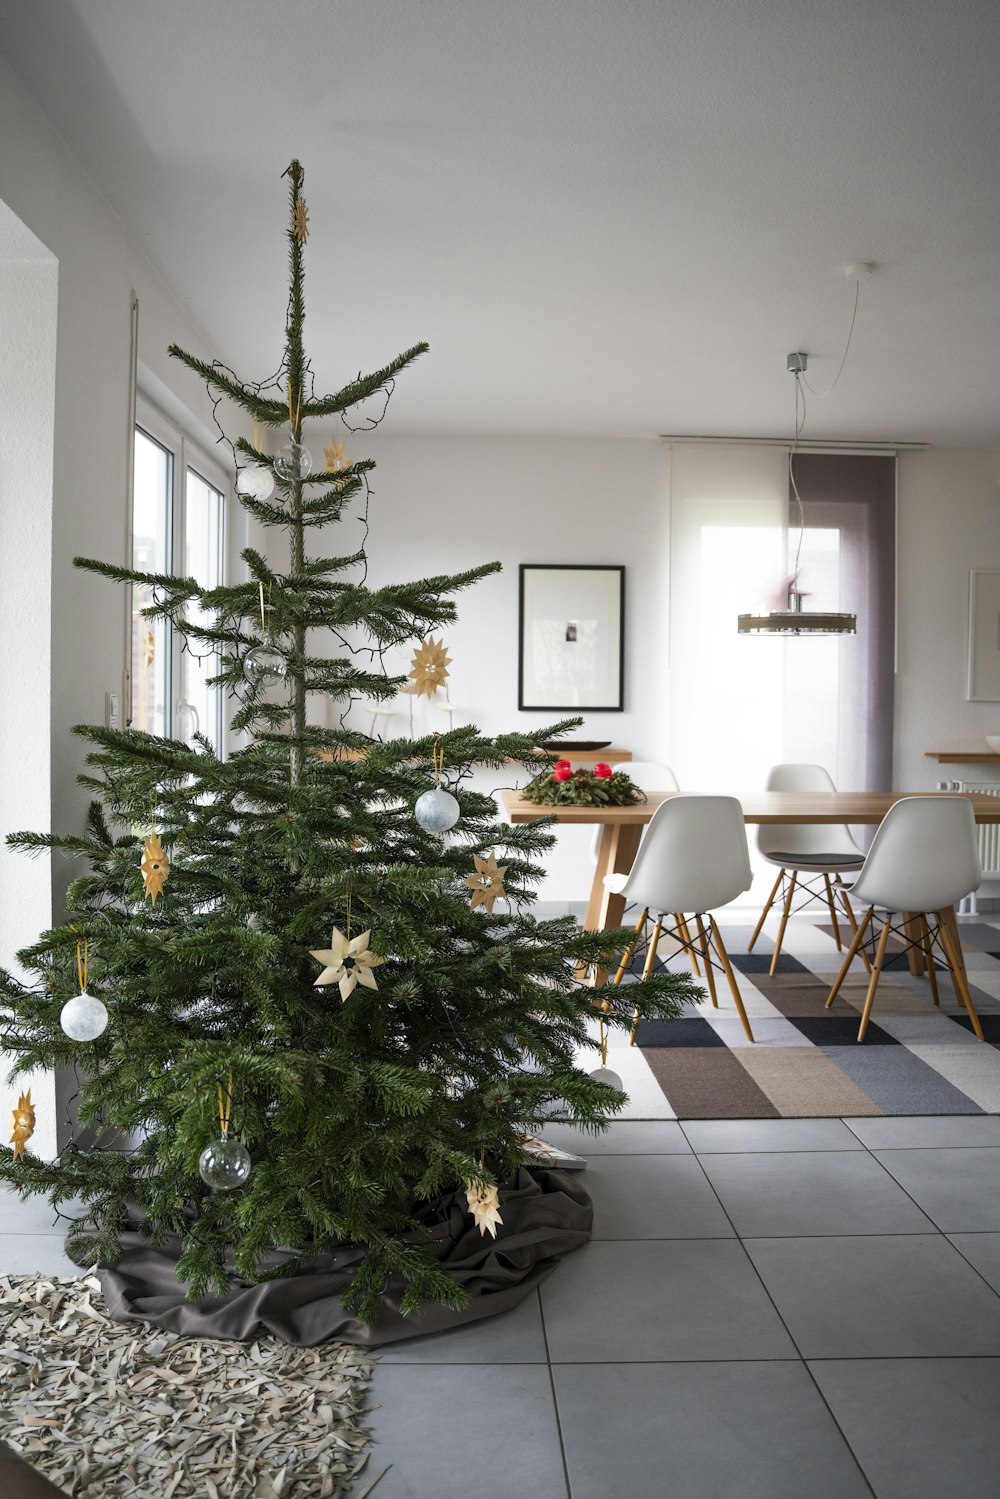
[(605, 218)]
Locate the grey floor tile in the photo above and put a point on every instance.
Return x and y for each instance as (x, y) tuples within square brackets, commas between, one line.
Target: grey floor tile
[(624, 1137), (34, 1215), (724, 1135), (454, 1432), (701, 1431), (35, 1254), (982, 1251), (653, 1197), (660, 1300), (513, 1337), (921, 1428), (957, 1186), (811, 1192), (879, 1296), (902, 1133)]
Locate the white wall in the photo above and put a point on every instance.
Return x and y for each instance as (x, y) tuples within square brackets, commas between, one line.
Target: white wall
[(948, 523), (446, 504), (99, 266), (28, 296)]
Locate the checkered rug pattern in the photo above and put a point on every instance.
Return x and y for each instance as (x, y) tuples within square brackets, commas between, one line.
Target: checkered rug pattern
[(806, 1061)]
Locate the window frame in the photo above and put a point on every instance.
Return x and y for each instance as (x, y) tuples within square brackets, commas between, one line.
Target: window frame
[(188, 455)]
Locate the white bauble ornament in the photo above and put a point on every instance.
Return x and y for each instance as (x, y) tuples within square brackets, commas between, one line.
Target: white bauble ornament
[(256, 481), (437, 810), (83, 1017), (224, 1164), (293, 461), (608, 1077), (265, 664)]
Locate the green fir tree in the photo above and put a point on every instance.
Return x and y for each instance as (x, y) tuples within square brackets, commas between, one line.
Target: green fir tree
[(352, 1110)]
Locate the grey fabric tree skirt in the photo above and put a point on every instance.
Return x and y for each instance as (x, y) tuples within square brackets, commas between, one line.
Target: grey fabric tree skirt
[(545, 1215)]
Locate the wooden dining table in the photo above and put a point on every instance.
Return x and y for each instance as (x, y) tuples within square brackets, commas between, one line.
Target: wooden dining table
[(621, 827)]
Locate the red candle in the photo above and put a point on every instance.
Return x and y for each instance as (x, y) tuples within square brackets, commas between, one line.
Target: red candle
[(563, 773), (560, 764), (603, 772)]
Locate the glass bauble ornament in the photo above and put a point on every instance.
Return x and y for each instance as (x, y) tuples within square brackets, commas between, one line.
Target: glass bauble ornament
[(256, 481), (224, 1164), (608, 1077), (437, 810), (265, 664), (293, 461), (83, 1017)]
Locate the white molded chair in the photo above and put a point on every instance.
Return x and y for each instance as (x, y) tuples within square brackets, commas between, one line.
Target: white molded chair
[(924, 858), (694, 858), (802, 850)]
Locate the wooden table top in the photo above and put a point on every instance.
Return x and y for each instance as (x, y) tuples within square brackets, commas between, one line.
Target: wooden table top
[(758, 807)]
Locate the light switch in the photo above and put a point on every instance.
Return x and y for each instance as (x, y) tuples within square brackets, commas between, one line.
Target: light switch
[(112, 710)]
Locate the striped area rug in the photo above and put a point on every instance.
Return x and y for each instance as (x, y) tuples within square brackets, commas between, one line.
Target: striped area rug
[(806, 1061)]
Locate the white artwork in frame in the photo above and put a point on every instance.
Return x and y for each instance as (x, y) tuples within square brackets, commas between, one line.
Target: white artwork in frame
[(984, 635), (572, 637)]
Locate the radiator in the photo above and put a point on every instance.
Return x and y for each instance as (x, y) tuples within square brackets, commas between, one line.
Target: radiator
[(989, 833)]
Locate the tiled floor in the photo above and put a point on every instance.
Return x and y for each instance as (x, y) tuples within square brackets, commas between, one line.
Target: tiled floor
[(769, 1309)]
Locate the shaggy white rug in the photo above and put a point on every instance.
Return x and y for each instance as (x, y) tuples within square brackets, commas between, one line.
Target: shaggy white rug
[(104, 1408)]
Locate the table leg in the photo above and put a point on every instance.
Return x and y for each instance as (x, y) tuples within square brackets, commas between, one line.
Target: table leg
[(619, 846)]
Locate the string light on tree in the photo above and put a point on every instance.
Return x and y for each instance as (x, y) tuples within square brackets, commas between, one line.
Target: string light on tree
[(84, 1017)]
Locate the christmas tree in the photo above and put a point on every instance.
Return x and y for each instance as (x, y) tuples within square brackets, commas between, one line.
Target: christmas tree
[(303, 1014)]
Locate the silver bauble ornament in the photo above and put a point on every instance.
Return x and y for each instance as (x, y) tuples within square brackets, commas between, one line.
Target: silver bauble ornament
[(608, 1077), (256, 481), (83, 1017), (265, 664), (224, 1164), (437, 810), (293, 461)]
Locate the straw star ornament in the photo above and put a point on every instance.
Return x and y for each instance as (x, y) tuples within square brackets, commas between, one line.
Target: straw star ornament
[(487, 882), (484, 1205), (429, 667), (347, 963), (23, 1124), (336, 456)]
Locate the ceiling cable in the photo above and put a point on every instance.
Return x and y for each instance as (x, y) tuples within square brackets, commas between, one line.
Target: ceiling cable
[(821, 395)]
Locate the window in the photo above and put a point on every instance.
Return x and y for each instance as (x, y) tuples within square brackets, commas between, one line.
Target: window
[(178, 526)]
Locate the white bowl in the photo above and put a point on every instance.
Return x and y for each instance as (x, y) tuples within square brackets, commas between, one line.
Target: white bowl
[(993, 740)]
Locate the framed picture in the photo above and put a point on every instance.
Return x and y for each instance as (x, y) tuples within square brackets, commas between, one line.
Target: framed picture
[(572, 637), (984, 636)]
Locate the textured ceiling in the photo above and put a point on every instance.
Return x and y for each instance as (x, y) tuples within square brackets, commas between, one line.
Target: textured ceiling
[(607, 218)]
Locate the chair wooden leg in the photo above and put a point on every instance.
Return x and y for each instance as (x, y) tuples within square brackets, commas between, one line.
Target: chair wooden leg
[(883, 943), (730, 975), (767, 906), (833, 913), (952, 944), (913, 931), (685, 936), (784, 922), (709, 975), (928, 947), (630, 949), (646, 971), (856, 940), (852, 922)]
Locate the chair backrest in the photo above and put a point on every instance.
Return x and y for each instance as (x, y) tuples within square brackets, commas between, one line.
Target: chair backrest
[(648, 776), (803, 840), (924, 856), (694, 856)]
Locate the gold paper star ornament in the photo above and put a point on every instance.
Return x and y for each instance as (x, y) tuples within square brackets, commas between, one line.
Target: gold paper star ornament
[(301, 221), (347, 963), (484, 1205), (487, 882), (23, 1124), (155, 866), (429, 667)]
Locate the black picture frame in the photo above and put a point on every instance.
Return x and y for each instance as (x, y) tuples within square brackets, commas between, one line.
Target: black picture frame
[(571, 637)]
